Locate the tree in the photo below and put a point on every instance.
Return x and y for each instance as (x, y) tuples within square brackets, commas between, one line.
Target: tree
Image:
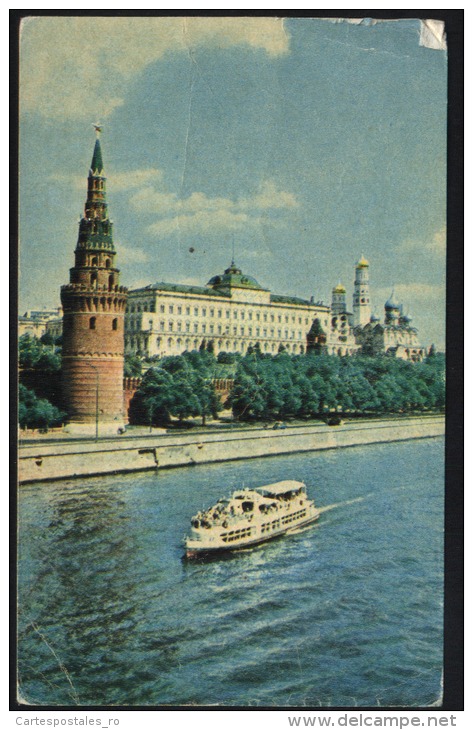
[(181, 387), (34, 412), (33, 354), (133, 366)]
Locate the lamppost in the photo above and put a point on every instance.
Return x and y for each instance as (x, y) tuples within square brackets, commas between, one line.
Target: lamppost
[(94, 367)]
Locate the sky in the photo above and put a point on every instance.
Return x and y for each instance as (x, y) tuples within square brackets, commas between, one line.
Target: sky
[(299, 143)]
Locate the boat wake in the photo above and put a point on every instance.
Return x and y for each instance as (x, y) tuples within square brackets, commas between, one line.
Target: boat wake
[(343, 504)]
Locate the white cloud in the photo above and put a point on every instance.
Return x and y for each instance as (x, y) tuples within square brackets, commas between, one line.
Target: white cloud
[(79, 67), (199, 213), (435, 244), (204, 221)]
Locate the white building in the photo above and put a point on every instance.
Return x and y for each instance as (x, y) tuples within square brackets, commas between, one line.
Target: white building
[(233, 312)]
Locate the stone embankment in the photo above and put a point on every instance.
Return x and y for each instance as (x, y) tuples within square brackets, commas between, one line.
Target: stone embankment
[(44, 462)]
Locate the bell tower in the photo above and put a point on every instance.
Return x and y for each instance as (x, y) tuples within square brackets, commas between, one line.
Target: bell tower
[(94, 315), (361, 294)]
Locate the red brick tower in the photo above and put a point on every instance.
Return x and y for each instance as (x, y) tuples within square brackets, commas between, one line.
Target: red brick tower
[(94, 316)]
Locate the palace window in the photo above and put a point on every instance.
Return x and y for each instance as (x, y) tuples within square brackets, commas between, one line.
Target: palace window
[(171, 309), (265, 317), (162, 308), (228, 313), (179, 310), (196, 328), (188, 327), (242, 331), (257, 316), (170, 326), (279, 318), (272, 318), (212, 312), (235, 314), (188, 310)]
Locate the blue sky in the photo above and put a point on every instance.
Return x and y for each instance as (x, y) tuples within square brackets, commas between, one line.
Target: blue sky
[(301, 142)]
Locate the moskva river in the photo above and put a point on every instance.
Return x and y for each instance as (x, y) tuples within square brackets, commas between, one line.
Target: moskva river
[(345, 613)]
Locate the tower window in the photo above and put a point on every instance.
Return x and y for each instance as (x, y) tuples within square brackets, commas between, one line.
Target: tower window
[(93, 281), (92, 321), (115, 324), (94, 261), (107, 263)]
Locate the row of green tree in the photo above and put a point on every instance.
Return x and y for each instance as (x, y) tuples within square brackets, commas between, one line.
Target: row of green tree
[(309, 386), (283, 386)]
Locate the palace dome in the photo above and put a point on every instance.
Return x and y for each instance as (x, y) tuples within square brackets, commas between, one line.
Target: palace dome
[(233, 276)]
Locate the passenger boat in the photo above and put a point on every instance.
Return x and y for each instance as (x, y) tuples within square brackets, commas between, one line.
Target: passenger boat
[(249, 517)]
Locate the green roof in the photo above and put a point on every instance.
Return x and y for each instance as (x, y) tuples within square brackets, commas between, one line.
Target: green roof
[(233, 277), (182, 289), (282, 299), (97, 163)]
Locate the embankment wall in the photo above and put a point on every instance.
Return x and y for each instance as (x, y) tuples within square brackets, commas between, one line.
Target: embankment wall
[(43, 462)]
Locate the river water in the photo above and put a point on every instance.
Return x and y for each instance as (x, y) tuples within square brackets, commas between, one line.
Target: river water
[(345, 613)]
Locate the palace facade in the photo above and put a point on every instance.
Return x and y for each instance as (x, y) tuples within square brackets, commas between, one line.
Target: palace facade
[(234, 312)]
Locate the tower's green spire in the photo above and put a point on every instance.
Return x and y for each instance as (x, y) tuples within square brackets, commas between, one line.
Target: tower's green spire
[(97, 164)]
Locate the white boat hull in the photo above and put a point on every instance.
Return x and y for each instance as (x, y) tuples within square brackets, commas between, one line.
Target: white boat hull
[(249, 535)]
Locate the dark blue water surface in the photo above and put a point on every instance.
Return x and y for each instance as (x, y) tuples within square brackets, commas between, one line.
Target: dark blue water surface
[(346, 613)]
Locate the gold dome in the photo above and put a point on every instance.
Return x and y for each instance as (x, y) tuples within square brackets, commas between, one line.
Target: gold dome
[(339, 289), (362, 263)]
